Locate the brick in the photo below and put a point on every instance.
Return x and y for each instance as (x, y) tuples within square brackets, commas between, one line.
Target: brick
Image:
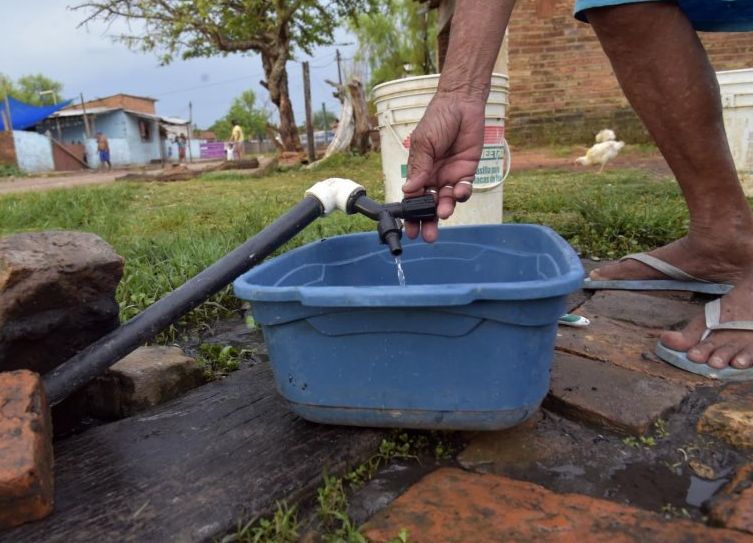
[(26, 485), (147, 377), (732, 507), (731, 421), (454, 506), (610, 396), (642, 309), (625, 345)]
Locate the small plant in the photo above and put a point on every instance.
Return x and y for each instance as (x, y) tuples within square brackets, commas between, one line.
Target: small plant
[(333, 513), (642, 441), (219, 360), (281, 528), (661, 428), (7, 170), (670, 511), (402, 537)]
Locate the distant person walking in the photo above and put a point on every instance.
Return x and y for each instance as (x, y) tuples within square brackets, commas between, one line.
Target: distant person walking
[(236, 138), (103, 148), (181, 142)]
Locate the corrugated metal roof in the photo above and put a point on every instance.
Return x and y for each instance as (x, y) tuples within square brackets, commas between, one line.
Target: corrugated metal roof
[(102, 110)]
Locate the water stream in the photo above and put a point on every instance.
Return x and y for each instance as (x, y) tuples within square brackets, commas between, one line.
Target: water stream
[(400, 272)]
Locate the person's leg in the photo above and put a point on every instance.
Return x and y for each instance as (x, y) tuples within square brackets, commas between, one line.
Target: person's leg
[(667, 78)]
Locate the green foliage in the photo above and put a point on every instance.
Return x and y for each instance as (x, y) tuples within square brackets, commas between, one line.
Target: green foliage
[(219, 360), (402, 537), (641, 441), (281, 528), (28, 87), (323, 120), (7, 170), (252, 119), (333, 513), (397, 41)]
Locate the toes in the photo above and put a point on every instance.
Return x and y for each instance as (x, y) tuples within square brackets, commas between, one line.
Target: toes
[(722, 356), (683, 340), (742, 360), (701, 352)]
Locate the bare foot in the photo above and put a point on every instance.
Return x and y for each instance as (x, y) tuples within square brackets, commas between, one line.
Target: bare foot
[(723, 260), (724, 347)]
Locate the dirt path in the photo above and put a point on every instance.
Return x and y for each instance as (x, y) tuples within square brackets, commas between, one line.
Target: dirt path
[(64, 180), (545, 158)]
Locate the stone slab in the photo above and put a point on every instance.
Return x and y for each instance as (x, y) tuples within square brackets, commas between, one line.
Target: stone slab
[(147, 377), (26, 479), (454, 506), (731, 421), (625, 345), (57, 296), (607, 395), (733, 506), (191, 469), (642, 309)]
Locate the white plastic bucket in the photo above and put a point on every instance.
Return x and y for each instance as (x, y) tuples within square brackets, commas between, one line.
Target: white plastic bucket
[(400, 106), (737, 101)]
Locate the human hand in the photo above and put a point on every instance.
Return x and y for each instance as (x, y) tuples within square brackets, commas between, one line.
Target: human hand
[(445, 149)]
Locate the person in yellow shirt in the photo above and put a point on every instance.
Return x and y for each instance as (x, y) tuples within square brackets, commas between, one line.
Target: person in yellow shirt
[(236, 138)]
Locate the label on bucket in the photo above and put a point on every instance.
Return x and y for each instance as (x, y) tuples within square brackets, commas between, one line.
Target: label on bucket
[(491, 166)]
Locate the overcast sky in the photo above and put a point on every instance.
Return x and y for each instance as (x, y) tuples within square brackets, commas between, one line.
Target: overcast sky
[(41, 36)]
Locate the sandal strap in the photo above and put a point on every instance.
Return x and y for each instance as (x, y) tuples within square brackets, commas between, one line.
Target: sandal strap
[(713, 312), (673, 272)]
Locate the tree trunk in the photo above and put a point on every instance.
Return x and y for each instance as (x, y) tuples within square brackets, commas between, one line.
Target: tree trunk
[(361, 143), (274, 60)]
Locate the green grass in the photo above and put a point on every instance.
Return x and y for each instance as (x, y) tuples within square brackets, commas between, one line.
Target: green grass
[(169, 232), (607, 215), (7, 171)]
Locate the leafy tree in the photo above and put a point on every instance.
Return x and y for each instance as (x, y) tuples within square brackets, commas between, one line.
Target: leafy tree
[(275, 29), (323, 120), (252, 119), (398, 41), (28, 87)]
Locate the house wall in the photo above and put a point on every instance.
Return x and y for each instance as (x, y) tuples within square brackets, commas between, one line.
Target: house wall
[(33, 151), (142, 151), (562, 87)]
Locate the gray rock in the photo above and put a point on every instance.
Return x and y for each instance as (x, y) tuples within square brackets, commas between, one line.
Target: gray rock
[(147, 377), (57, 295)]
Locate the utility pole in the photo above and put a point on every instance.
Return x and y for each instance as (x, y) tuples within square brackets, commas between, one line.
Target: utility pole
[(190, 130), (8, 118), (339, 72), (87, 128), (309, 120), (326, 124)]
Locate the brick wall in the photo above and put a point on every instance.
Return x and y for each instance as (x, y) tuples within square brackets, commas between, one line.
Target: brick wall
[(7, 149), (562, 88)]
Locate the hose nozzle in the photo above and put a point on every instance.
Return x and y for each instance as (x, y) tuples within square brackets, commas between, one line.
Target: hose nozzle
[(389, 226)]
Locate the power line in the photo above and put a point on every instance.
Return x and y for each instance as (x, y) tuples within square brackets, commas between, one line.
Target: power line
[(216, 83)]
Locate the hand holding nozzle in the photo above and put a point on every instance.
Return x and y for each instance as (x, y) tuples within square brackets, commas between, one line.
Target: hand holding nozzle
[(419, 208)]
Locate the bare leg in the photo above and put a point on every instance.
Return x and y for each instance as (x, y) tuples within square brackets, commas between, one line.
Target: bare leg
[(665, 74)]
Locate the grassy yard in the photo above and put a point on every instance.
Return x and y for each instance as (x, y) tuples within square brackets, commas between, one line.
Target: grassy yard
[(169, 232)]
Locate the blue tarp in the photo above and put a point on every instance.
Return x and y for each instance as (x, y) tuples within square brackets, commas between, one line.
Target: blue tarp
[(25, 115)]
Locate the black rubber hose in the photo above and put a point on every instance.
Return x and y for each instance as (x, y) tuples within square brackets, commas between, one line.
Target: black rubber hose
[(99, 356)]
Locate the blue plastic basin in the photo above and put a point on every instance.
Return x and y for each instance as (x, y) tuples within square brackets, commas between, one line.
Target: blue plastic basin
[(467, 344)]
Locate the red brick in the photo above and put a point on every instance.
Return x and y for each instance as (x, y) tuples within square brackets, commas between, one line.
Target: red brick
[(454, 506), (625, 345), (26, 485), (607, 395), (733, 506)]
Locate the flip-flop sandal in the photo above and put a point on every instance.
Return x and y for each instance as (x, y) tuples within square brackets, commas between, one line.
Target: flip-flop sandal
[(679, 359), (678, 279)]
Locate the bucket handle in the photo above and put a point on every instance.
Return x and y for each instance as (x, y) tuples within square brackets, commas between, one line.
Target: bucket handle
[(505, 145)]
